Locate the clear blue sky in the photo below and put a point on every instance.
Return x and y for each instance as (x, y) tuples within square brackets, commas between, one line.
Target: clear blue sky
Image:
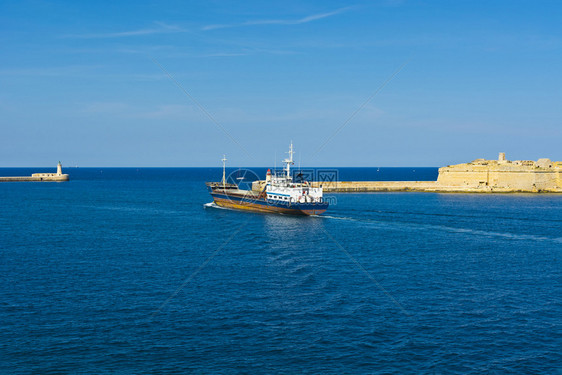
[(78, 82)]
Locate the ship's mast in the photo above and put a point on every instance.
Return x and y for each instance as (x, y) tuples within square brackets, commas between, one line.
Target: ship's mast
[(224, 171), (288, 162)]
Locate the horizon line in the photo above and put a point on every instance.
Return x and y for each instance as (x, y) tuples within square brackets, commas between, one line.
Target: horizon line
[(219, 167)]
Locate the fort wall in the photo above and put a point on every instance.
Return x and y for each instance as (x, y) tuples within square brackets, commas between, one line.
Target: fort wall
[(519, 175)]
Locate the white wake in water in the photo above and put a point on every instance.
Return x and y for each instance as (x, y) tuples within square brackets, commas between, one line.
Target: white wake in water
[(214, 205), (507, 235), (335, 217), (468, 231), (409, 226)]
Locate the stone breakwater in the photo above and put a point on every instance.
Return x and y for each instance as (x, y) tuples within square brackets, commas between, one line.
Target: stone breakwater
[(478, 176), (419, 186), (59, 176), (64, 177)]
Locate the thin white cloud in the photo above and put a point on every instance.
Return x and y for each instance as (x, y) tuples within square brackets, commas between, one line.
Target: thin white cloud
[(103, 107), (224, 54), (312, 17), (161, 29), (71, 70), (170, 112), (134, 111)]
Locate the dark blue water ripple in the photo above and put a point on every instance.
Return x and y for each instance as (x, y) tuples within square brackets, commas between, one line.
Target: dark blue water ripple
[(384, 283)]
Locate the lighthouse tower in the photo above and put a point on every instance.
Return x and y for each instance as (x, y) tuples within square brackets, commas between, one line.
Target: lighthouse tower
[(268, 177), (59, 169)]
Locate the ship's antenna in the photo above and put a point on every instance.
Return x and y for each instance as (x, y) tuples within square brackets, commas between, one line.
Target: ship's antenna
[(224, 172), (288, 162)]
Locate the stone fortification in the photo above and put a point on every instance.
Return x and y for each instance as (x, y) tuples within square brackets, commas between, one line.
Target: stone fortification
[(503, 175)]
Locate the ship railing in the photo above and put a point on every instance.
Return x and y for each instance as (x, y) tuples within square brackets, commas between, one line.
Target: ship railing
[(220, 185)]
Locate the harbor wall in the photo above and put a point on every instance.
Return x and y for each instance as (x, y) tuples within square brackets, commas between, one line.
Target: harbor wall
[(417, 186), (63, 177), (478, 176), (373, 186), (58, 176)]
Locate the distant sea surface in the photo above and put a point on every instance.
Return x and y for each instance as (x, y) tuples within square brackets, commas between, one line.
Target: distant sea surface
[(131, 270)]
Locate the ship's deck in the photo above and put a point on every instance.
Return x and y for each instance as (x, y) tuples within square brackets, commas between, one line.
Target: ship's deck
[(238, 192)]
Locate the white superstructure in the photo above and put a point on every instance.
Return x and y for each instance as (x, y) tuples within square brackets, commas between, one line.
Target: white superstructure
[(281, 187)]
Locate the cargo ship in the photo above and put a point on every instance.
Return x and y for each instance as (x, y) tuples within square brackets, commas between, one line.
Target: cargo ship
[(280, 193)]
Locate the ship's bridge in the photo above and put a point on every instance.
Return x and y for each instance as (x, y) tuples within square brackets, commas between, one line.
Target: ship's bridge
[(280, 187)]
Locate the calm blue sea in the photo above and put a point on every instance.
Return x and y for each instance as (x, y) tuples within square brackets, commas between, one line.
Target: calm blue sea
[(125, 270)]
